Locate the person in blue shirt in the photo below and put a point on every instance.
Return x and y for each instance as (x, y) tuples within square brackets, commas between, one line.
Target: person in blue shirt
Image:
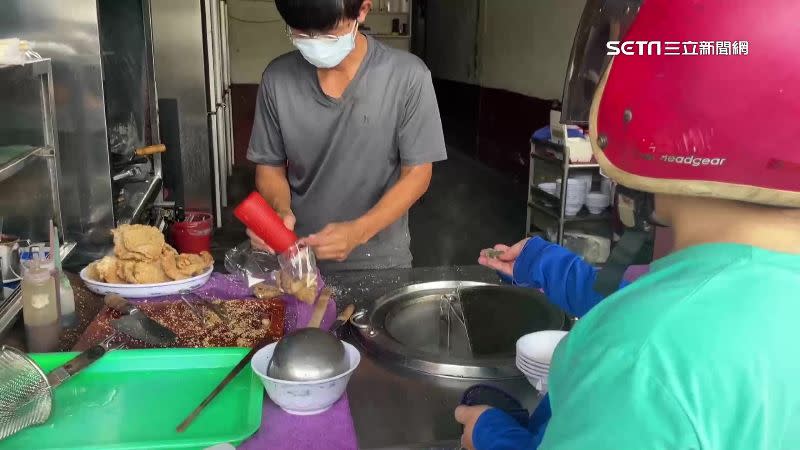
[(567, 281)]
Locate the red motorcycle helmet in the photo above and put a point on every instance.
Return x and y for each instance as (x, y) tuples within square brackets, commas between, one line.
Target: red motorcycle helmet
[(691, 97)]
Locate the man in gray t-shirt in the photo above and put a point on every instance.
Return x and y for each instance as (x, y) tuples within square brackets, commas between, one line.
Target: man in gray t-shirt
[(345, 133)]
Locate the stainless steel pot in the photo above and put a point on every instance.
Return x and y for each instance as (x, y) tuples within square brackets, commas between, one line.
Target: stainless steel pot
[(430, 327)]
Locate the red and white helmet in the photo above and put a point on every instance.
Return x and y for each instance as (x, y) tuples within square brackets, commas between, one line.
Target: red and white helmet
[(702, 97)]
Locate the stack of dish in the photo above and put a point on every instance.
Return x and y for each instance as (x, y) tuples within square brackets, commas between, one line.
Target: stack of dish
[(576, 195), (597, 202), (550, 188), (587, 180), (534, 353)]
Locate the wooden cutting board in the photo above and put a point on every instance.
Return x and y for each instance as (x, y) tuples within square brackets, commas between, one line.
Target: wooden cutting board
[(251, 320)]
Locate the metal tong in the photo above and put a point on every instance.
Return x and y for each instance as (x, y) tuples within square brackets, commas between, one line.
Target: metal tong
[(450, 306), (197, 300)]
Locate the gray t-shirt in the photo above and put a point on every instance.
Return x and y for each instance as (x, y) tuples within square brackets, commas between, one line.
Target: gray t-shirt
[(342, 155)]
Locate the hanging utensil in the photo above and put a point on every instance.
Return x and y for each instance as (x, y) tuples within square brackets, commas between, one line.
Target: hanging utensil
[(150, 150)]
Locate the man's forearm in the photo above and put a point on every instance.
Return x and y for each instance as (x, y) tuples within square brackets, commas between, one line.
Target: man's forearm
[(413, 183), (272, 184)]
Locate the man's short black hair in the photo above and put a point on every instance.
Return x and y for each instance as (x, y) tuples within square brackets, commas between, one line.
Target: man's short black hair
[(317, 15)]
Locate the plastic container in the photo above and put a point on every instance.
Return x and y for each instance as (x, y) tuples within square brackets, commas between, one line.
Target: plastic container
[(294, 259), (193, 234), (68, 316), (134, 399), (40, 311), (304, 398)]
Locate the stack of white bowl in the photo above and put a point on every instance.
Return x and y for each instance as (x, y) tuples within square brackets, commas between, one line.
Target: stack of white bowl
[(576, 195), (606, 187), (534, 353), (587, 180), (597, 202)]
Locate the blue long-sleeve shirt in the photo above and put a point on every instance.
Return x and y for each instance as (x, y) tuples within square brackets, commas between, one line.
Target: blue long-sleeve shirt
[(567, 281)]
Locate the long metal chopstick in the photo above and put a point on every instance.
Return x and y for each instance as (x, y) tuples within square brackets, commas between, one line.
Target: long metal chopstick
[(235, 371)]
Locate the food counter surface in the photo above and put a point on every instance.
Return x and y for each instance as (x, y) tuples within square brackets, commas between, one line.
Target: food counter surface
[(392, 407)]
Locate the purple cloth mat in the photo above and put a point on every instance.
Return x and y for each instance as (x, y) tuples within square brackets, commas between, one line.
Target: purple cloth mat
[(635, 272), (332, 429)]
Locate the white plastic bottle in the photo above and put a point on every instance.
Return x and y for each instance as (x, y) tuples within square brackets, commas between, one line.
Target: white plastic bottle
[(67, 296)]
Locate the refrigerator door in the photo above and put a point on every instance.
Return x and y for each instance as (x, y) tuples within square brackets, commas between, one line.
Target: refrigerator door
[(179, 39), (69, 35)]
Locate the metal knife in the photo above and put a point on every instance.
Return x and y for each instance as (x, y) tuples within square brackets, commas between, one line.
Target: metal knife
[(136, 324)]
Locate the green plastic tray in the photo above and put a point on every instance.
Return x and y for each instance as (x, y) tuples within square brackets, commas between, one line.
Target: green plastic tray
[(134, 399)]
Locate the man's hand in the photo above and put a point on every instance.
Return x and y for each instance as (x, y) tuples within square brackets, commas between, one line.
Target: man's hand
[(504, 262), (336, 240), (288, 220), (468, 416)]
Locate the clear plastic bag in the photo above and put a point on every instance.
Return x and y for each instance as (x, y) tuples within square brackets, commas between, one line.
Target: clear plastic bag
[(246, 263), (293, 272)]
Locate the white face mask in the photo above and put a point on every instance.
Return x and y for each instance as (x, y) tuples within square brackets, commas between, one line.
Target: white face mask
[(325, 53)]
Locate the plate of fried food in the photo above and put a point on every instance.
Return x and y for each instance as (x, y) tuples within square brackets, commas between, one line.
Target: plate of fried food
[(144, 265)]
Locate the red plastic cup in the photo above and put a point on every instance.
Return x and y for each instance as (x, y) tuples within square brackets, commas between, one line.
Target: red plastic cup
[(259, 217), (194, 234)]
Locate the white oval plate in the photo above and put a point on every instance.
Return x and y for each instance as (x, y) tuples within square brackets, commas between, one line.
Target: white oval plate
[(146, 290)]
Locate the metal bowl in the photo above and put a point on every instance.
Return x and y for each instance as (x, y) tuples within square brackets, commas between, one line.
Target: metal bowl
[(308, 354)]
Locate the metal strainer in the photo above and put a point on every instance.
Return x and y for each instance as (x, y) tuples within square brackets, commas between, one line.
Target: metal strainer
[(25, 396), (26, 393)]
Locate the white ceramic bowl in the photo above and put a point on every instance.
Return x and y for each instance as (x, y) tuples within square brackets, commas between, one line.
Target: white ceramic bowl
[(597, 199), (531, 364), (550, 188), (587, 181), (596, 202), (539, 346), (576, 195), (304, 398), (146, 290), (576, 188), (533, 373)]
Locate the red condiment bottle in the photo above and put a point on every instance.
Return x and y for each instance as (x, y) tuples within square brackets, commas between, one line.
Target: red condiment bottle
[(259, 217)]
